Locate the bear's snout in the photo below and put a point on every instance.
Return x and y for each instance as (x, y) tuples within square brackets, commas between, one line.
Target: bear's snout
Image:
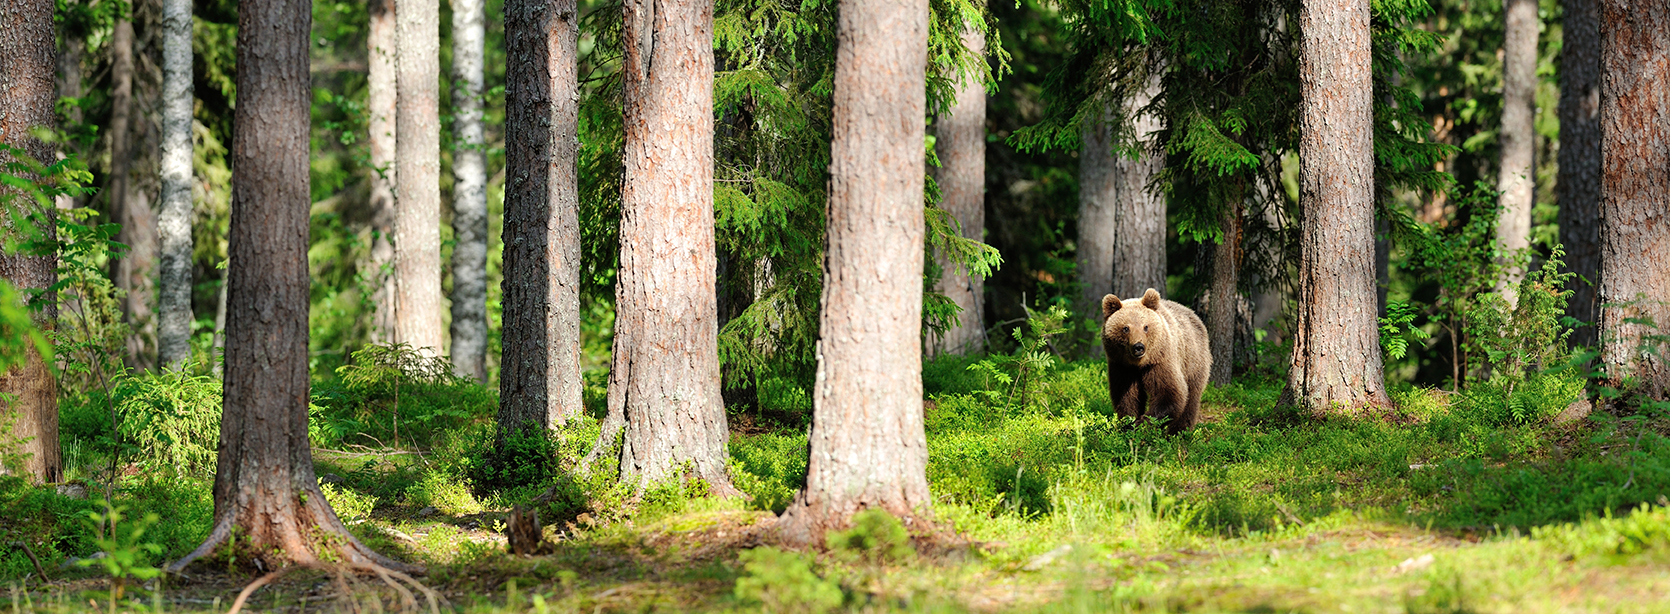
[(1138, 349)]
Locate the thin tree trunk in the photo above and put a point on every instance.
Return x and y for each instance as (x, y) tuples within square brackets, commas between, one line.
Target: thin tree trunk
[(69, 87), (381, 72), (1578, 182), (128, 207), (174, 223), (1122, 225), (217, 345), (539, 374), (665, 380), (1517, 179), (27, 71), (867, 445), (417, 226), (1635, 192), (469, 189), (265, 490), (961, 145), (1336, 347), (1223, 311)]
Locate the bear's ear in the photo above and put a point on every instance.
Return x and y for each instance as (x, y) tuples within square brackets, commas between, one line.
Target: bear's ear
[(1110, 304), (1151, 299)]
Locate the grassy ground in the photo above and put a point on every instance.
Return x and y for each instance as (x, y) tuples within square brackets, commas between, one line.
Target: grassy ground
[(1448, 503)]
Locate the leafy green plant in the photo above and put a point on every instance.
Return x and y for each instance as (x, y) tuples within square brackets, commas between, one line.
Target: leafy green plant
[(350, 505), (124, 552), (784, 582), (1397, 327), (1034, 356), (171, 419), (875, 537)]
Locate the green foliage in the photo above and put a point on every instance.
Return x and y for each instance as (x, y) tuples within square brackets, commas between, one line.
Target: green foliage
[(875, 537), (387, 393), (121, 544), (770, 468), (169, 420), (783, 582), (1397, 327), (351, 506), (1035, 355), (1646, 529)]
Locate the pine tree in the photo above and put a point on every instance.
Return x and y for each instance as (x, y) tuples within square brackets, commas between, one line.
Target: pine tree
[(1578, 181), (382, 55), (417, 226), (1517, 179), (868, 448), (960, 144), (1635, 192), (135, 271)]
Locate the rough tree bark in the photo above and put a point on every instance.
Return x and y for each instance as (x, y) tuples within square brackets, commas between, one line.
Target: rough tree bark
[(867, 445), (1223, 310), (1635, 191), (664, 384), (174, 223), (1578, 180), (1336, 347), (129, 207), (1517, 178), (381, 71), (539, 374), (1122, 226), (417, 225), (469, 193), (27, 72), (265, 489), (961, 144)]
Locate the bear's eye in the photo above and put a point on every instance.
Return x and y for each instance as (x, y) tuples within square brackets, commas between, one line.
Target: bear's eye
[(1145, 328), (1127, 329)]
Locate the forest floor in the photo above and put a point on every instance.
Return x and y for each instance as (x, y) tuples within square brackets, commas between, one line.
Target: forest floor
[(1447, 503)]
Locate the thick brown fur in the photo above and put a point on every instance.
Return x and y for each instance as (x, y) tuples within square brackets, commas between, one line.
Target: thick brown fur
[(1158, 359)]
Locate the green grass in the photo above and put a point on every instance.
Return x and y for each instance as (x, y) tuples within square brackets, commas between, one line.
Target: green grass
[(1447, 503)]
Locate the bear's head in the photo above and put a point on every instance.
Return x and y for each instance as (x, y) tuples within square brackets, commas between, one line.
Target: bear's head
[(1133, 333)]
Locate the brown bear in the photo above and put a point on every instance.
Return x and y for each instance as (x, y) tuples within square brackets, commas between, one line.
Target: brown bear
[(1158, 358)]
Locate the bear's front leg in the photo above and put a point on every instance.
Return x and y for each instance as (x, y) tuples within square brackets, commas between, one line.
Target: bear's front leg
[(1125, 390), (1169, 391)]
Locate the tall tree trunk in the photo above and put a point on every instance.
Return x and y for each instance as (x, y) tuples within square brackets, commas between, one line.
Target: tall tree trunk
[(1635, 191), (174, 224), (539, 373), (664, 385), (70, 56), (417, 226), (1517, 179), (1578, 182), (1336, 347), (382, 68), (469, 190), (961, 145), (129, 208), (867, 445), (1122, 225), (1222, 314), (265, 489), (27, 71)]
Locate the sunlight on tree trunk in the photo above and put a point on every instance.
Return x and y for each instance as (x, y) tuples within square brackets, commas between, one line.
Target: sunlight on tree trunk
[(174, 223), (539, 374), (1635, 193), (28, 56), (1222, 314), (1122, 225), (1517, 179), (128, 206), (1336, 345), (469, 193), (381, 75), (961, 145), (664, 383), (1578, 182), (868, 448), (265, 489), (417, 226)]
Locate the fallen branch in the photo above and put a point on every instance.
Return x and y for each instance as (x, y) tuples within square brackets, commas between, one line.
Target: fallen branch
[(38, 569), (243, 595)]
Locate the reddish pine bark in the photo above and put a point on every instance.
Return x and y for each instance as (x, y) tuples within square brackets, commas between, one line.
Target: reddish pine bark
[(1336, 346), (867, 445), (1635, 191)]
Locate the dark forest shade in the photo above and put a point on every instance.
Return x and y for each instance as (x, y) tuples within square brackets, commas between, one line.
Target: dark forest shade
[(27, 64), (1578, 183), (867, 444), (265, 491), (1635, 191), (539, 375), (1336, 346), (664, 380)]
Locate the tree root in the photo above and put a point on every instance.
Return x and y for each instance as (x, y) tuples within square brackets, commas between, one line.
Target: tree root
[(341, 574)]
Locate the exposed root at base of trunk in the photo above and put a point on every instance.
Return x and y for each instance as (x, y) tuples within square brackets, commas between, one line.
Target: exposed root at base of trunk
[(299, 551), (341, 574)]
